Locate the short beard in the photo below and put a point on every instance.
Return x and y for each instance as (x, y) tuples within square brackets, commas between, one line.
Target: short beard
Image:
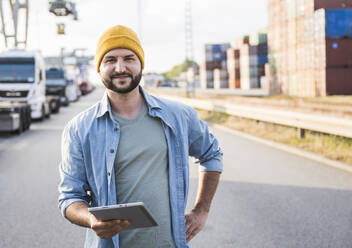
[(134, 83)]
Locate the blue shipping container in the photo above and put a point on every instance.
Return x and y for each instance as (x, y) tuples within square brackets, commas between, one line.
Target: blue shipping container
[(219, 56), (338, 23), (217, 48), (262, 60)]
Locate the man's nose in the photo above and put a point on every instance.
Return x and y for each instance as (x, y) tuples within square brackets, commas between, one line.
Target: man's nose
[(120, 66)]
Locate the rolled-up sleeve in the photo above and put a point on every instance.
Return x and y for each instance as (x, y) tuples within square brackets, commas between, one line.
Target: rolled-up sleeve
[(203, 145), (73, 185)]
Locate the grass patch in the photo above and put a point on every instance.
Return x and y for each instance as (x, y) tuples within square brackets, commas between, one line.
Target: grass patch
[(330, 146)]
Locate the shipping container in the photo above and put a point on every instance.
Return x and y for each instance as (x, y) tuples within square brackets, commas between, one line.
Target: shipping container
[(215, 52), (338, 23), (206, 79), (319, 24), (220, 74), (262, 49), (320, 81), (339, 52), (291, 8), (220, 79), (262, 59), (333, 24), (332, 4), (249, 83), (338, 81), (237, 73), (258, 38), (211, 65), (234, 83), (261, 70)]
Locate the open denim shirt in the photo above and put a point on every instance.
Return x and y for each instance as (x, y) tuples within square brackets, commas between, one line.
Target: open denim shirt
[(89, 143)]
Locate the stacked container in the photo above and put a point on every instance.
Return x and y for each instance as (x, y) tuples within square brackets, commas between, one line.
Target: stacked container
[(308, 46), (233, 68), (333, 52), (259, 40), (233, 61), (220, 79), (249, 67), (246, 60), (214, 57)]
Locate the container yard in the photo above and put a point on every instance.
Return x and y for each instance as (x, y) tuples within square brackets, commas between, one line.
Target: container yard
[(308, 47), (214, 58), (239, 66)]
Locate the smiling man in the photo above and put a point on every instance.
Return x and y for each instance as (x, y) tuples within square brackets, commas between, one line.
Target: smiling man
[(134, 147)]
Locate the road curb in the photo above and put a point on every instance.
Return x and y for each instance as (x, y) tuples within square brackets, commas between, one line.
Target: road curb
[(283, 147)]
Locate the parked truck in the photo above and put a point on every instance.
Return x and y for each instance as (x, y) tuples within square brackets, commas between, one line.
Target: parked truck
[(22, 80), (56, 84)]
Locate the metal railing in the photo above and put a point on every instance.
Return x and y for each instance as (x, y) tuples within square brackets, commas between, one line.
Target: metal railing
[(329, 125)]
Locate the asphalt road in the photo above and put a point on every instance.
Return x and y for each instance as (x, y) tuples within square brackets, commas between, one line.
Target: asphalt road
[(267, 198)]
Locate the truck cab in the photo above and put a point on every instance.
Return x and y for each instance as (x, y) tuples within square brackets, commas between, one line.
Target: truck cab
[(56, 84), (22, 79)]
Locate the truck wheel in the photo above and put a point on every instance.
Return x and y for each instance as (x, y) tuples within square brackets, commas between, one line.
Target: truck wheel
[(28, 117), (42, 114), (57, 110), (48, 114), (57, 107), (21, 127)]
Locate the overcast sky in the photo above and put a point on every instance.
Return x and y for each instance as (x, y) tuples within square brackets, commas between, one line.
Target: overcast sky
[(162, 26)]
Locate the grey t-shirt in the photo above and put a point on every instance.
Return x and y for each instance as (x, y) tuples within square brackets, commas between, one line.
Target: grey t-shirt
[(141, 172)]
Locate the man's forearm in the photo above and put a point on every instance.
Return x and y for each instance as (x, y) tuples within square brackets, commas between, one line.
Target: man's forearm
[(78, 214), (208, 182)]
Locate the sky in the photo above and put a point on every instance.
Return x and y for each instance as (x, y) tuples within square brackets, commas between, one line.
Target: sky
[(162, 26)]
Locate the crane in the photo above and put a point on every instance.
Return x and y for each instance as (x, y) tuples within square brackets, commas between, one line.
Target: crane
[(62, 8), (10, 27), (10, 30)]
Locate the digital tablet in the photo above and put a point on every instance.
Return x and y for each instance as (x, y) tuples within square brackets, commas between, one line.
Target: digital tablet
[(137, 213)]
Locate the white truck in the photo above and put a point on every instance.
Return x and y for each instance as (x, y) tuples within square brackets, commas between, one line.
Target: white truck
[(22, 79)]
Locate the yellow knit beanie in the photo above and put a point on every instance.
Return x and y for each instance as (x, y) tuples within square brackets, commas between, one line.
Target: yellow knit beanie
[(118, 37)]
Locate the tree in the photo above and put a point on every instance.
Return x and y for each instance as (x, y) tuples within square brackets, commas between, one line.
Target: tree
[(178, 69)]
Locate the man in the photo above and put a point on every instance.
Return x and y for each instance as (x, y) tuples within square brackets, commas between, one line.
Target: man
[(133, 147)]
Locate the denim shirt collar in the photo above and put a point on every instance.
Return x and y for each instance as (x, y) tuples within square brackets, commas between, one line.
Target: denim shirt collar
[(106, 107)]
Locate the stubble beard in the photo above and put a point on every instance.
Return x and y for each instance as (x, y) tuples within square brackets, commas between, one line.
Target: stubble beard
[(133, 84)]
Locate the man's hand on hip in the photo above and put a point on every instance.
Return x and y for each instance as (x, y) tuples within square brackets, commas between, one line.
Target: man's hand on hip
[(107, 229), (195, 221)]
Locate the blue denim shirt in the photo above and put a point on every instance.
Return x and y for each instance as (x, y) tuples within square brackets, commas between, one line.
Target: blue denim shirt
[(89, 143)]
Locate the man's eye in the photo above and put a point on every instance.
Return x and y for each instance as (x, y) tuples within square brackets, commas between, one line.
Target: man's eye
[(109, 60)]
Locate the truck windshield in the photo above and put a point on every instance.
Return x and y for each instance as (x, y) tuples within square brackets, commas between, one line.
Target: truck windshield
[(55, 76), (16, 73), (56, 81)]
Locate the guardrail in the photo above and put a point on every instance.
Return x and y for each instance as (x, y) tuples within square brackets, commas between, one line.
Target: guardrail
[(232, 92), (328, 125)]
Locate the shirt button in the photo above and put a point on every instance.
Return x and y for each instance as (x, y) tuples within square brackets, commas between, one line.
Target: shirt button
[(115, 129), (108, 174), (112, 150)]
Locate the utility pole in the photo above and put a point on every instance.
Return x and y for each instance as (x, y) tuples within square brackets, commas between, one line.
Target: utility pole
[(139, 7), (15, 6), (189, 45)]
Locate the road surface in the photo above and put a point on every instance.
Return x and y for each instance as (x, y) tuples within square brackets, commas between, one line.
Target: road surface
[(267, 198)]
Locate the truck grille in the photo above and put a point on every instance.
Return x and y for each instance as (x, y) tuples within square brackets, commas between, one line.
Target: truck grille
[(17, 93)]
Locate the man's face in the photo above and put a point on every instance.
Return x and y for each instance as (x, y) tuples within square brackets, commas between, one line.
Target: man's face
[(120, 70)]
